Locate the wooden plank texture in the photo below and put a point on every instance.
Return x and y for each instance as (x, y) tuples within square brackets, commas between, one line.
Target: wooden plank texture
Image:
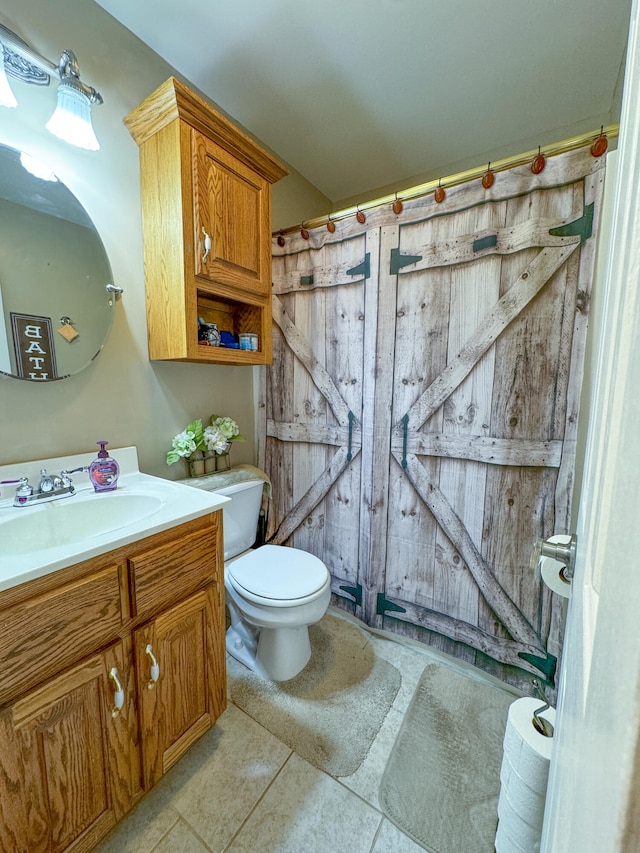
[(463, 383)]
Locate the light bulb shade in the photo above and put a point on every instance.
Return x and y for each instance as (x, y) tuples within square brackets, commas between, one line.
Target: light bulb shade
[(71, 120), (7, 98)]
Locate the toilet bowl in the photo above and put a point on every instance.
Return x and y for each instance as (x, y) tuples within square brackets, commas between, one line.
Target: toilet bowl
[(273, 592)]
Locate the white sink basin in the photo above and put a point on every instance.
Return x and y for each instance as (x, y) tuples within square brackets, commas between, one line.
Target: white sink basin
[(37, 539), (69, 520)]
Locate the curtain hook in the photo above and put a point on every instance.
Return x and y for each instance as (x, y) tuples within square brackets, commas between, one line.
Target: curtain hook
[(361, 217), (600, 144), (539, 162), (397, 205), (440, 194), (488, 178), (303, 232), (331, 225), (281, 240)]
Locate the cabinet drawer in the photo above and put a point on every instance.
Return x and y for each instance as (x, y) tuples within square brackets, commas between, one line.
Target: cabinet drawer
[(166, 574), (41, 636)]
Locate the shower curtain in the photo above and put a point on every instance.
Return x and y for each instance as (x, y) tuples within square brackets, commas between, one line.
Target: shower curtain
[(419, 419)]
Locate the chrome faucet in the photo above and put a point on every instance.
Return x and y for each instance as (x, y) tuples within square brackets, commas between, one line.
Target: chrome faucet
[(49, 489), (46, 482)]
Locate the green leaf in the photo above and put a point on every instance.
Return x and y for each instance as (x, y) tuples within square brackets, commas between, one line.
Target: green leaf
[(198, 433)]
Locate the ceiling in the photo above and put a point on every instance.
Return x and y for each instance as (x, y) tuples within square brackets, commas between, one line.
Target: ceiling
[(361, 95)]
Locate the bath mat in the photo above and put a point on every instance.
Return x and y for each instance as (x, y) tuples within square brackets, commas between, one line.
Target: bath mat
[(332, 711), (442, 781)]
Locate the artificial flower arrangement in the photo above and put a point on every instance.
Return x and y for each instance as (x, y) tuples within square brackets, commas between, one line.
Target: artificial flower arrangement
[(215, 438)]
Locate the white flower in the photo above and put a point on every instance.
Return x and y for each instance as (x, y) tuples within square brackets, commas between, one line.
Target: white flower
[(215, 439), (184, 444), (227, 426)]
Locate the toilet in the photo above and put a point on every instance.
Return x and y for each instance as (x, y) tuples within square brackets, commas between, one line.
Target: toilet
[(273, 592)]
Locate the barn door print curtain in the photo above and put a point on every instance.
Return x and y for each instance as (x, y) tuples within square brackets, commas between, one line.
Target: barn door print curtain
[(420, 415)]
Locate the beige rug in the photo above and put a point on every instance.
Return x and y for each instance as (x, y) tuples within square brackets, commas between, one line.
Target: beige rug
[(332, 711), (442, 781)]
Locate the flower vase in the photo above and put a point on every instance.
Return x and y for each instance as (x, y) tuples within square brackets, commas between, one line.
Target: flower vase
[(196, 463), (217, 460), (210, 462), (223, 460)]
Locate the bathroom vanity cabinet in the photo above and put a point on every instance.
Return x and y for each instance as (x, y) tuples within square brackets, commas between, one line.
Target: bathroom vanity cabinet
[(109, 671), (206, 215)]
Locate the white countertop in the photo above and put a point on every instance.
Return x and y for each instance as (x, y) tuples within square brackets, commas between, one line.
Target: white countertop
[(176, 504)]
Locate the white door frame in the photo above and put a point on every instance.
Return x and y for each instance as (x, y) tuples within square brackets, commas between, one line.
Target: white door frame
[(591, 802)]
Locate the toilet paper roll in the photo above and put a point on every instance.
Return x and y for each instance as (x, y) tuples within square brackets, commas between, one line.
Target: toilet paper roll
[(528, 751), (505, 843), (514, 825), (523, 799), (550, 570), (523, 775)]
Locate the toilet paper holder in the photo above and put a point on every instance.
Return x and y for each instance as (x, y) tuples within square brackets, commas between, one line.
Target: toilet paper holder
[(563, 552), (541, 724)]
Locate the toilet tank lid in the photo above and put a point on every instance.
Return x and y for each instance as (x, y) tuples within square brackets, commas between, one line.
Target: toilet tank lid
[(223, 479), (278, 572)]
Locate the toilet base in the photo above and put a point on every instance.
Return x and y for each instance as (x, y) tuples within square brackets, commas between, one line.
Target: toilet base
[(243, 647), (275, 654)]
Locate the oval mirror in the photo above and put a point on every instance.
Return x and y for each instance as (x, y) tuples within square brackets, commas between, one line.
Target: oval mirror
[(56, 306)]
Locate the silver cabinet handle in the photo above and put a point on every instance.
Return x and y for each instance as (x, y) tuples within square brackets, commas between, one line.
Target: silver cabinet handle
[(207, 246), (118, 696), (155, 668)]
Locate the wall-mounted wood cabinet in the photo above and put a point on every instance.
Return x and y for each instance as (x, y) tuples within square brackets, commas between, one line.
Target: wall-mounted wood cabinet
[(109, 671), (206, 215)]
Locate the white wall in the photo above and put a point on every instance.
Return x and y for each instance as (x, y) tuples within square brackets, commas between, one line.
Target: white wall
[(121, 397)]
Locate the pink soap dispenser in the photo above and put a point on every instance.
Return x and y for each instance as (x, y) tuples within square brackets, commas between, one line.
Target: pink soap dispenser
[(104, 471)]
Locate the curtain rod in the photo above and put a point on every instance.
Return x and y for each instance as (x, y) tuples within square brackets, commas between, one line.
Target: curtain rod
[(610, 131)]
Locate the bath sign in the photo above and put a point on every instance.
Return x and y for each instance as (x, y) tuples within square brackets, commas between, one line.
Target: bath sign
[(33, 343)]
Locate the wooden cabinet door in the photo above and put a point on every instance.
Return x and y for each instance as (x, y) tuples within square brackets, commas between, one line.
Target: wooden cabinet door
[(181, 679), (233, 207), (70, 767)]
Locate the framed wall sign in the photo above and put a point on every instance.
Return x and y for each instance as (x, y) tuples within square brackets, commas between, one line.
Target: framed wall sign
[(33, 344)]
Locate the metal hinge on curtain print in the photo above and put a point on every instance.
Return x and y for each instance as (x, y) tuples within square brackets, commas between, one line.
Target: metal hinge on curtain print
[(405, 430), (397, 261), (488, 242), (364, 269), (582, 227), (547, 666), (385, 605), (352, 418), (354, 591)]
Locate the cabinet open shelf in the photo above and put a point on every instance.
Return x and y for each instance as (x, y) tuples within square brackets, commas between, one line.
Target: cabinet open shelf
[(237, 317)]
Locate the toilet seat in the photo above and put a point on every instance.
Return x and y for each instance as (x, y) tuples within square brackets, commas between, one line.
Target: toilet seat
[(278, 576)]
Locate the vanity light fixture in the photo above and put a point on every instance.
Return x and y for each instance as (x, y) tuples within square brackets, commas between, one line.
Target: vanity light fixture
[(71, 120)]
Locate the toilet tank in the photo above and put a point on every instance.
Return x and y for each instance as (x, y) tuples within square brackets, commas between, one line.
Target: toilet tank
[(240, 516)]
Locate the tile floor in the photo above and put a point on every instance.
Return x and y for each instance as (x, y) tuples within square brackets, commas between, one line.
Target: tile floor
[(241, 789)]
